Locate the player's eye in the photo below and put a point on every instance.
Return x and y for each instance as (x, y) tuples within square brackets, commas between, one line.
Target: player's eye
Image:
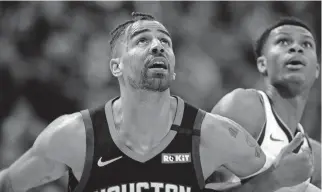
[(142, 40), (165, 41), (307, 44), (283, 41)]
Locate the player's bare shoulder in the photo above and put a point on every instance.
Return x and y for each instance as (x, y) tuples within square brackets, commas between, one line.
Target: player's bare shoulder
[(244, 106), (64, 135), (238, 99)]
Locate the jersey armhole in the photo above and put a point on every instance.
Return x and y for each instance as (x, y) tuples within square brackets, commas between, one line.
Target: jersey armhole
[(196, 150), (79, 186), (261, 134), (260, 137)]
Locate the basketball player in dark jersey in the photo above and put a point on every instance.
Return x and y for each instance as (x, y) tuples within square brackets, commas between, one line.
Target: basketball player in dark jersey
[(144, 140), (287, 59)]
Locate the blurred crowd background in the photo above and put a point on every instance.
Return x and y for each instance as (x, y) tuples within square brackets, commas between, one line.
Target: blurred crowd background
[(54, 58)]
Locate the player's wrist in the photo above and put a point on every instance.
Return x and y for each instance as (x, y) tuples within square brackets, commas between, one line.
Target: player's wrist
[(273, 180), (268, 181)]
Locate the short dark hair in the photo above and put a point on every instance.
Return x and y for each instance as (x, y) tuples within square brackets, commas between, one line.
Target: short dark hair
[(259, 45), (120, 29)]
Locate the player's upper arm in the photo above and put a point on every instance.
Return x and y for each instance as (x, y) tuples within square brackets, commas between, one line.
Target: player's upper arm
[(245, 107), (62, 136), (238, 150), (316, 150), (47, 159)]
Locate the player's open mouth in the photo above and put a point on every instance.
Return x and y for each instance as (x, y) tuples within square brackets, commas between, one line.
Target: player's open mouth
[(158, 65)]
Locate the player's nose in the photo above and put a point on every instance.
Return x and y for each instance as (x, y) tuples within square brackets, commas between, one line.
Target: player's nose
[(295, 48), (156, 47)]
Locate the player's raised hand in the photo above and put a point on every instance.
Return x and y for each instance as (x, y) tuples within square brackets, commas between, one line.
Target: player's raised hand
[(293, 168)]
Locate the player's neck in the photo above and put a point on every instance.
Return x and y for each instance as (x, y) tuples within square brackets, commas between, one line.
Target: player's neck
[(289, 109), (144, 117)]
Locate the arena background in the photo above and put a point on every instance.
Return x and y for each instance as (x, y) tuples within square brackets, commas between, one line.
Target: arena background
[(54, 58)]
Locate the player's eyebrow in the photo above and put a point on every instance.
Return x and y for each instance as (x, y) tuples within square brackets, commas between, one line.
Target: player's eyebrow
[(147, 30), (164, 32), (138, 32)]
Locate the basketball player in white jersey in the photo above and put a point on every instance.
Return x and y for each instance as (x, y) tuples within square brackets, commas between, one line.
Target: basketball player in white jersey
[(143, 127), (287, 59)]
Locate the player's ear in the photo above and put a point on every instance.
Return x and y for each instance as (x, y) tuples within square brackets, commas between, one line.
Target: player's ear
[(262, 65), (116, 67), (317, 73)]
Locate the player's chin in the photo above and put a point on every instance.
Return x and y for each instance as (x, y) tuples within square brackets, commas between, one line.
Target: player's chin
[(294, 82), (157, 84), (298, 77)]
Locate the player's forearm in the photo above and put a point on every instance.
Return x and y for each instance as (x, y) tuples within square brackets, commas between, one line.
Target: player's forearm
[(5, 183)]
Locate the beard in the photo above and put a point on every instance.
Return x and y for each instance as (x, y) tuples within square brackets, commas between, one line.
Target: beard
[(151, 80)]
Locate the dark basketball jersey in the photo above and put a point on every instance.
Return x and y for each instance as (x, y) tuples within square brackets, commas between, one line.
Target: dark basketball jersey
[(110, 166)]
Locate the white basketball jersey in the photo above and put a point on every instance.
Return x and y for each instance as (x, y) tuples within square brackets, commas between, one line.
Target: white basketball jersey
[(275, 137)]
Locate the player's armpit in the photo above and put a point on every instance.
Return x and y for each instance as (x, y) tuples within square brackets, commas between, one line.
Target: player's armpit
[(316, 150)]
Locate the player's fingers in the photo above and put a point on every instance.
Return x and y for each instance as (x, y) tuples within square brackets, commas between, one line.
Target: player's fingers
[(294, 143)]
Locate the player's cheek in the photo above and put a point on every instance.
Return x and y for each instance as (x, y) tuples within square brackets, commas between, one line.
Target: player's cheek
[(279, 60), (172, 60)]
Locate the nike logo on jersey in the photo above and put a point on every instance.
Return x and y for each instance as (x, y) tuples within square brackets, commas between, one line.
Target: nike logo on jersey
[(274, 139), (102, 164)]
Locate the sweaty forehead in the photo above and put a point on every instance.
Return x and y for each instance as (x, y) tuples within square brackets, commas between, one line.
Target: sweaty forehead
[(145, 24), (291, 29)]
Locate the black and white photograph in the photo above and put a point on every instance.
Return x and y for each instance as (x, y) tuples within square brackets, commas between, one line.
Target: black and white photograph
[(160, 96)]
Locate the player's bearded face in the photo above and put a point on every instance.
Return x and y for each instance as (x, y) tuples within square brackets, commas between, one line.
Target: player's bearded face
[(291, 56), (149, 59)]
